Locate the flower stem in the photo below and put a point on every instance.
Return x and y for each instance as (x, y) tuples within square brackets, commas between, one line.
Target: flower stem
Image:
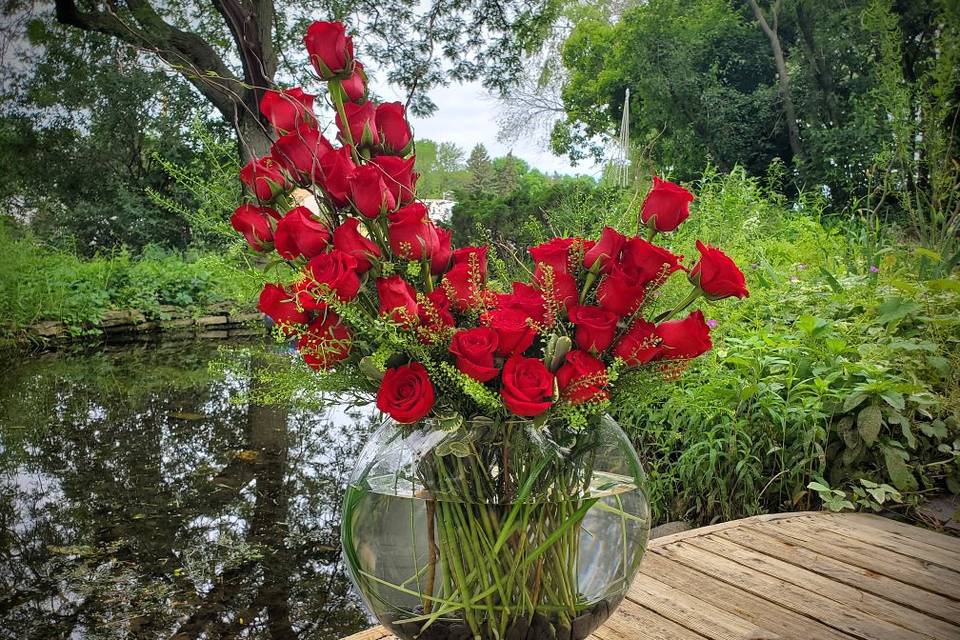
[(686, 302)]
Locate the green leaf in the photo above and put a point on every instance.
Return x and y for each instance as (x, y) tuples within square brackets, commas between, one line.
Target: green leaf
[(831, 280), (928, 253), (819, 488), (850, 436), (907, 430), (944, 284), (853, 401), (869, 422), (898, 470), (814, 327), (895, 308)]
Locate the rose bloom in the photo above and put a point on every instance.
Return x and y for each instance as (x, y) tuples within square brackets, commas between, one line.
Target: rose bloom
[(336, 167), (582, 378), (604, 253), (278, 303), (412, 236), (337, 271), (394, 130), (515, 332), (622, 291), (330, 48), (443, 252), (465, 280), (287, 109), (299, 152), (474, 349), (369, 192), (361, 119), (434, 315), (398, 300), (264, 178), (555, 252), (648, 261), (254, 223), (526, 299), (684, 339), (717, 275), (596, 327), (526, 386), (399, 175), (356, 85), (299, 234), (666, 206), (347, 238), (639, 345), (326, 342), (406, 393)]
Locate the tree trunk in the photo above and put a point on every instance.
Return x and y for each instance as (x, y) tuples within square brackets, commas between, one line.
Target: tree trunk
[(822, 74), (793, 130)]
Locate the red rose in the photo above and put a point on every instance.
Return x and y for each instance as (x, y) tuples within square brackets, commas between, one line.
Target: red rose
[(474, 350), (397, 300), (622, 291), (526, 299), (406, 393), (347, 238), (399, 176), (337, 271), (299, 152), (337, 166), (582, 378), (326, 342), (434, 315), (394, 129), (254, 223), (329, 47), (650, 262), (299, 234), (606, 252), (527, 387), (369, 192), (666, 206), (412, 235), (515, 332), (287, 109), (264, 178), (639, 345), (684, 339), (555, 253), (442, 253), (596, 327), (304, 289), (356, 85), (278, 303), (717, 275), (561, 287), (466, 279), (363, 125)]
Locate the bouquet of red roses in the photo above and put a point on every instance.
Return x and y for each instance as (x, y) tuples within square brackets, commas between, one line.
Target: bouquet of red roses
[(378, 299)]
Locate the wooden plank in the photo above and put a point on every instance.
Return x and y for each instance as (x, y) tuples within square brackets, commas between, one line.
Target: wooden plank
[(846, 619), (950, 543), (377, 633), (841, 594), (792, 551), (634, 622), (693, 613), (914, 571), (757, 610), (720, 526)]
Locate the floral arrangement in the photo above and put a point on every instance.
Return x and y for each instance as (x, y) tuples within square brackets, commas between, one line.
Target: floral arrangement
[(379, 301)]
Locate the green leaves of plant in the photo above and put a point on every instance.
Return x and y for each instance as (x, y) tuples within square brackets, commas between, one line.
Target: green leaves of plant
[(869, 422), (898, 469), (895, 308)]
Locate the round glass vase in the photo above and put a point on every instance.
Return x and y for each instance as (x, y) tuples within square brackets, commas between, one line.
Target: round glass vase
[(508, 531)]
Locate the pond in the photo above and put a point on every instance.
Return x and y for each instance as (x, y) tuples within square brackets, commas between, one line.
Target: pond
[(141, 497)]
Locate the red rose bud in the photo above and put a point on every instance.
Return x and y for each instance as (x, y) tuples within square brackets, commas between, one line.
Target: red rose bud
[(717, 274), (639, 345), (527, 386), (602, 255), (355, 86), (393, 126), (466, 279), (406, 393), (264, 178), (337, 271), (399, 176), (526, 299), (434, 315), (474, 349), (582, 378), (254, 223), (337, 167), (596, 327), (347, 238), (362, 121), (515, 332), (305, 290), (299, 234), (329, 47), (369, 192), (443, 252), (299, 152), (555, 253), (412, 236), (559, 287), (398, 300), (649, 262), (666, 206), (278, 303), (622, 291), (287, 109), (326, 342), (684, 339)]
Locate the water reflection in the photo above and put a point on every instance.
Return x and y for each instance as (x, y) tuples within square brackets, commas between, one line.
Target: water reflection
[(137, 501)]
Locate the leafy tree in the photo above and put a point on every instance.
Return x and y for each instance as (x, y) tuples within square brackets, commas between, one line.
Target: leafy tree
[(441, 168)]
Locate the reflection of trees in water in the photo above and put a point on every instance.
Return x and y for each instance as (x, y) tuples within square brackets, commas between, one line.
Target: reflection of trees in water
[(136, 500)]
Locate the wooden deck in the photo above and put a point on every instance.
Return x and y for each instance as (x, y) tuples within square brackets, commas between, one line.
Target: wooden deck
[(808, 576)]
